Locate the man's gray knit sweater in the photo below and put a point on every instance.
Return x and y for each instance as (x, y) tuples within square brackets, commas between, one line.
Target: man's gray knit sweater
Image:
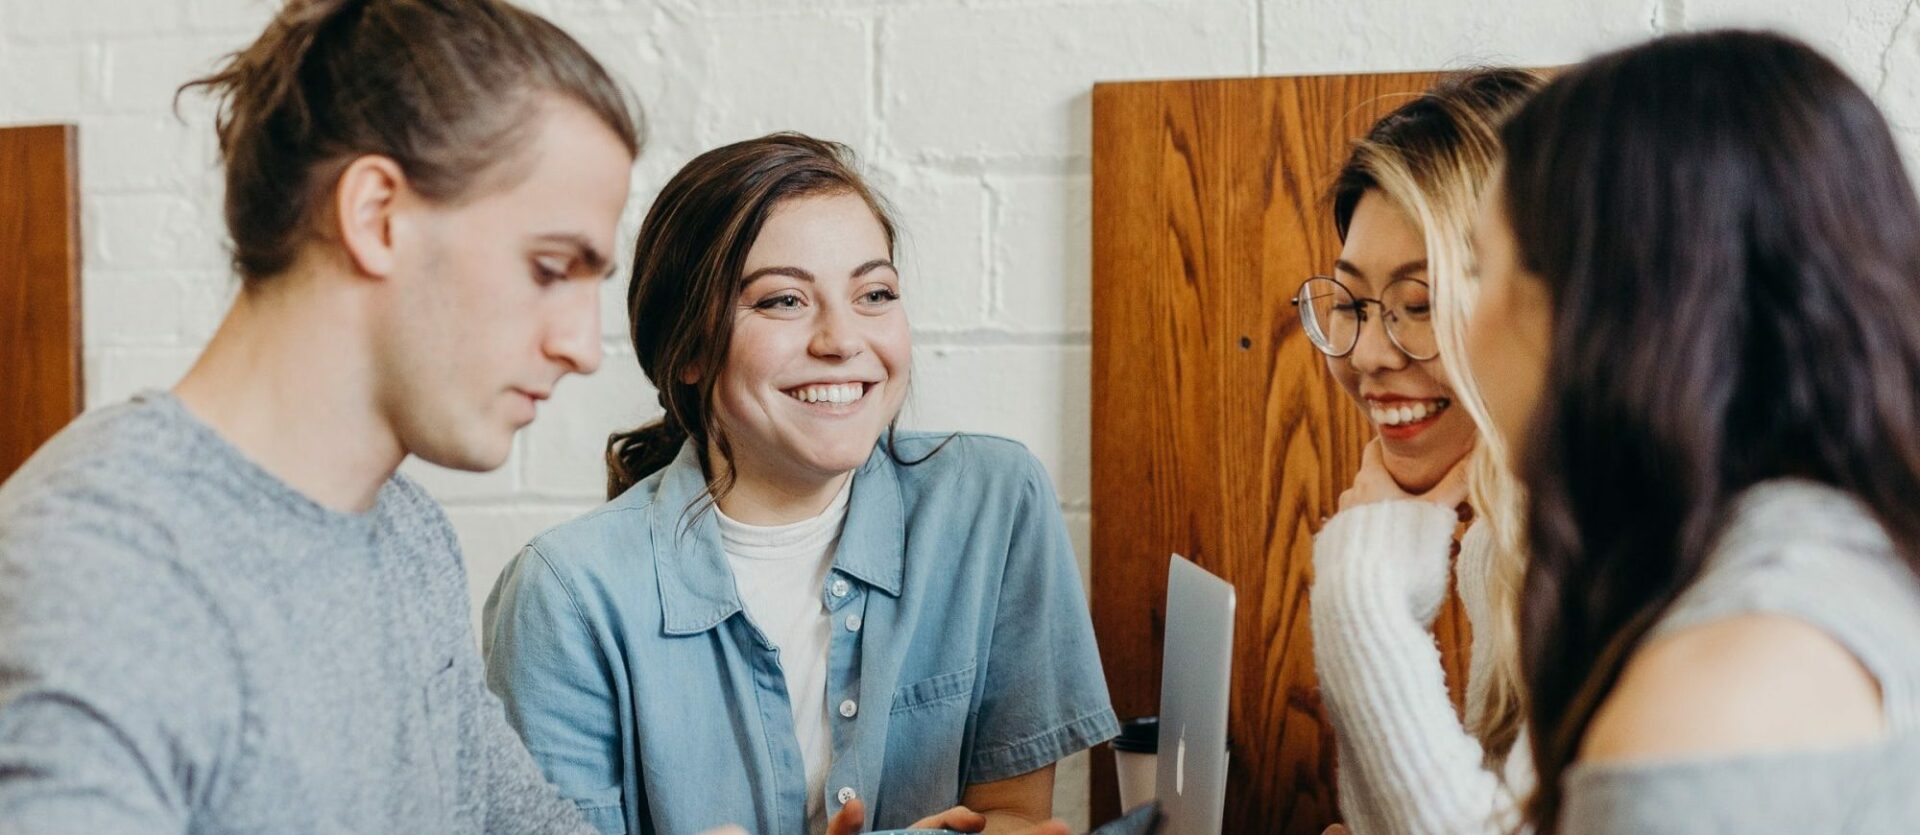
[(189, 645)]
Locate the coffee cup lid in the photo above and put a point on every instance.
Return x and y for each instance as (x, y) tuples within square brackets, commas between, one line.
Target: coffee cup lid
[(1139, 736)]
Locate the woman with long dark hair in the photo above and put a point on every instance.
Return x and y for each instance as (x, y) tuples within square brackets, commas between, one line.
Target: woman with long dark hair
[(1701, 297), (788, 614)]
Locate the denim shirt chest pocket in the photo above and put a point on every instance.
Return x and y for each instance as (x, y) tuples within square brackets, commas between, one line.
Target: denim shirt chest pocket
[(928, 735)]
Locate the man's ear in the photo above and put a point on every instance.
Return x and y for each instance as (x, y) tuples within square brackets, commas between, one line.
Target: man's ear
[(364, 199)]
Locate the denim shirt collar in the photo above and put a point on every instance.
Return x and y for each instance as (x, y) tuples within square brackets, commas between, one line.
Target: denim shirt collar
[(697, 591)]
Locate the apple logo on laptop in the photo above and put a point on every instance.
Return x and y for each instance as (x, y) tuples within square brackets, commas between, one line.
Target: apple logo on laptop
[(1180, 763)]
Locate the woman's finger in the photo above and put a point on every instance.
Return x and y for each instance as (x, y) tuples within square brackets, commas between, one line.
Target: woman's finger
[(849, 820), (958, 818)]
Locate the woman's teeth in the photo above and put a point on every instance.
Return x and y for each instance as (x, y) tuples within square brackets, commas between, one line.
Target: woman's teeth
[(1405, 412), (837, 394)]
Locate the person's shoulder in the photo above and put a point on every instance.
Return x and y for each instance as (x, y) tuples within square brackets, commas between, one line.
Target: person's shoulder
[(1816, 554), (617, 535), (1750, 683), (963, 459), (109, 483), (117, 453), (95, 523), (1799, 526)]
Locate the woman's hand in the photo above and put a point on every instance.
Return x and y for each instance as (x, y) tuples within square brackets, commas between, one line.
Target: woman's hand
[(1374, 484), (853, 816), (957, 819)]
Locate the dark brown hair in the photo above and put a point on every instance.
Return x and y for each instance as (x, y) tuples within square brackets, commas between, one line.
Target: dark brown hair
[(687, 264), (1727, 235), (444, 88)]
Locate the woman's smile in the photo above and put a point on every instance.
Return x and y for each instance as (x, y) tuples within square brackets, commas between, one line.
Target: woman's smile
[(1401, 418), (833, 399)]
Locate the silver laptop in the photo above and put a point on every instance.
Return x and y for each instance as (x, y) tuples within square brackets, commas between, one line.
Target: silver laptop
[(1195, 673)]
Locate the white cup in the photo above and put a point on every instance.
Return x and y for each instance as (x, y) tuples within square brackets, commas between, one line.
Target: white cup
[(1135, 760), (1137, 772)]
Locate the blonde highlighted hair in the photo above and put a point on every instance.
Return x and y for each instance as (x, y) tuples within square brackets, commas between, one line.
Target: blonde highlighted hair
[(1434, 158)]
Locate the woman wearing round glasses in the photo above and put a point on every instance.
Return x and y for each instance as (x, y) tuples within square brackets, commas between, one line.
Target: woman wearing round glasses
[(1387, 319), (1392, 369)]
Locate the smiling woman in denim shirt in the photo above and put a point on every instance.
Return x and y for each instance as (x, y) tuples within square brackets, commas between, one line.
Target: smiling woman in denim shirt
[(790, 615)]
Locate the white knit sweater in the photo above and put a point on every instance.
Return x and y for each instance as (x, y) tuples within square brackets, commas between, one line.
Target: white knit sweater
[(1406, 762)]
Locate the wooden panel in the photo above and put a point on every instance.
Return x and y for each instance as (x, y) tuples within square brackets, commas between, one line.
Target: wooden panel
[(1217, 431), (39, 288)]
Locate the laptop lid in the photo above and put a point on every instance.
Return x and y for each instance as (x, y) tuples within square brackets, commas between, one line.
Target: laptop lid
[(1195, 673)]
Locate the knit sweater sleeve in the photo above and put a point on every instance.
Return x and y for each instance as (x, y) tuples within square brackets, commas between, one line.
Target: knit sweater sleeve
[(1407, 764)]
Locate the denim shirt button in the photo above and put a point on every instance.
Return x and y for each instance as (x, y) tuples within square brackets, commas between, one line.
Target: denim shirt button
[(846, 795), (853, 623), (839, 588), (848, 709)]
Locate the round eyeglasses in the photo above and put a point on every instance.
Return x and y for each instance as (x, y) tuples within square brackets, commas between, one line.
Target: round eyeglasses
[(1333, 316)]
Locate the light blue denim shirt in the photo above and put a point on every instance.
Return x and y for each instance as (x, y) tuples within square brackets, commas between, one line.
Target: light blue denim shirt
[(961, 639)]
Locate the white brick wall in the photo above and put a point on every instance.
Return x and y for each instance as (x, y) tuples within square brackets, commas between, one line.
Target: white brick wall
[(973, 115)]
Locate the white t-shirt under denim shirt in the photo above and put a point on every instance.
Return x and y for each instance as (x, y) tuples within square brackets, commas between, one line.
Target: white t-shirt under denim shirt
[(779, 570)]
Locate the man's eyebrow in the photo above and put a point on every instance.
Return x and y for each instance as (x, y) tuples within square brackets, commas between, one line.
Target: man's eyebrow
[(590, 256)]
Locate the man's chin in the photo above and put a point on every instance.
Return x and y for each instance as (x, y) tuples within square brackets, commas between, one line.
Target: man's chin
[(472, 457)]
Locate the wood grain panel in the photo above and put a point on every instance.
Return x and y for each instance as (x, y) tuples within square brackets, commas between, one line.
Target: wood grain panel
[(40, 385), (1217, 432)]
